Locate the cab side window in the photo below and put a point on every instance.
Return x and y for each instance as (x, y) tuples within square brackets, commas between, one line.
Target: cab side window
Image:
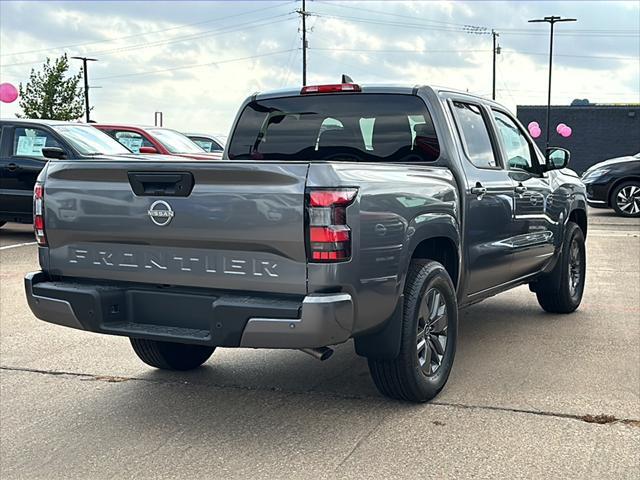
[(474, 135), (132, 140), (29, 142), (207, 144), (516, 146)]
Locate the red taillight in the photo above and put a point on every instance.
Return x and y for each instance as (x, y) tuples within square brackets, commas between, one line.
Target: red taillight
[(329, 236), (38, 214), (338, 87), (331, 198)]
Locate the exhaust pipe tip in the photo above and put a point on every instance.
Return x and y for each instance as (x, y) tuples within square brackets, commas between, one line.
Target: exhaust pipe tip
[(321, 353)]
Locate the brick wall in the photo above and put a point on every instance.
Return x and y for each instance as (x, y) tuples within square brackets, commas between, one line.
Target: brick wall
[(600, 132)]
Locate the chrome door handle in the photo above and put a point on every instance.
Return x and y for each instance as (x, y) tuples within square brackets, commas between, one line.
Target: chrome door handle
[(520, 189)]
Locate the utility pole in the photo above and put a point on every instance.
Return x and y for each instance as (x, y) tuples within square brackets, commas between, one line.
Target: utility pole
[(496, 51), (304, 14), (85, 74), (552, 20)]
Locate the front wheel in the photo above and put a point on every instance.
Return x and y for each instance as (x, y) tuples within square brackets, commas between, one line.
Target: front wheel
[(170, 355), (561, 290), (428, 337), (625, 199)]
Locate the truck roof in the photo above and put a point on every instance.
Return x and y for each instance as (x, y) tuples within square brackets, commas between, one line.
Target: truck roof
[(372, 88)]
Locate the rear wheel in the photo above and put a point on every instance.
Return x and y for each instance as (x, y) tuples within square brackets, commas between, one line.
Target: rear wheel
[(429, 337), (169, 355), (625, 199), (561, 290)]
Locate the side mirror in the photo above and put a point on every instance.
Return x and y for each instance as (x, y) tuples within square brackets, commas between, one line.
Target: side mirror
[(557, 158), (148, 150), (54, 152)]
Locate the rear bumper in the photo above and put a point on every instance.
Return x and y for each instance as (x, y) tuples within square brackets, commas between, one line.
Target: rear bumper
[(194, 316)]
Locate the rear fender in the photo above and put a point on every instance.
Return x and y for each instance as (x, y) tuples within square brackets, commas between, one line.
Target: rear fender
[(384, 342)]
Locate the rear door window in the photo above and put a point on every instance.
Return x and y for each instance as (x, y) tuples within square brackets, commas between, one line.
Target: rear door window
[(474, 134), (29, 142), (341, 127)]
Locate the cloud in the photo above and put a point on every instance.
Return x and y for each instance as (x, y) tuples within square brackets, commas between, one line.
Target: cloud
[(149, 52)]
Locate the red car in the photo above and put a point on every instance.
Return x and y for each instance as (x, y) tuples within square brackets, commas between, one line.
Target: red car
[(157, 140)]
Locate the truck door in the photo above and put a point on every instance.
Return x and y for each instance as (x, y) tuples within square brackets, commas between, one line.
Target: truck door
[(21, 165), (534, 221), (489, 192)]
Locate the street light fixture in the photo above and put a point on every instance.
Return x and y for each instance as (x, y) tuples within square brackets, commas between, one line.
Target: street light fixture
[(552, 20), (86, 83)]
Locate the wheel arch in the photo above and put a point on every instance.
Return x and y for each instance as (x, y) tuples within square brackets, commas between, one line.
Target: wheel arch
[(579, 217), (435, 237)]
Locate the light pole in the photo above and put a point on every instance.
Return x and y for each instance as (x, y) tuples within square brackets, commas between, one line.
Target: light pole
[(552, 20), (86, 83)]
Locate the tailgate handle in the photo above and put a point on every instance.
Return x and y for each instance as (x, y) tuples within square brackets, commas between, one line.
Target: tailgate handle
[(166, 184)]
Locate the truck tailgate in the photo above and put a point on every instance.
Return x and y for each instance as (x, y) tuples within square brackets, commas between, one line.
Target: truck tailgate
[(241, 227)]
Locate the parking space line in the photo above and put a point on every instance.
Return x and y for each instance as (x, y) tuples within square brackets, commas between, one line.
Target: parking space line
[(16, 245)]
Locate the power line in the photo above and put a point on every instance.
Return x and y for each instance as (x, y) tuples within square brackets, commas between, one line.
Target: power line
[(428, 51), (485, 30), (184, 67), (603, 57), (209, 33), (394, 24), (359, 8), (126, 37), (399, 50)]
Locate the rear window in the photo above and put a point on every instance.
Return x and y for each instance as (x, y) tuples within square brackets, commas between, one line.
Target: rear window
[(347, 127)]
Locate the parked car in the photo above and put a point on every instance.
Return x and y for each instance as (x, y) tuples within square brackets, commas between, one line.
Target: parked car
[(156, 140), (209, 143), (615, 184), (416, 202), (25, 148)]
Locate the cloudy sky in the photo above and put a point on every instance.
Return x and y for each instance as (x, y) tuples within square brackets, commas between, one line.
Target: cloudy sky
[(196, 61)]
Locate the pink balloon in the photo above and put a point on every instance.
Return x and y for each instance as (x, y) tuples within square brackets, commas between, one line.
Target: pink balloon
[(535, 132), (533, 124), (566, 132), (560, 127), (8, 93)]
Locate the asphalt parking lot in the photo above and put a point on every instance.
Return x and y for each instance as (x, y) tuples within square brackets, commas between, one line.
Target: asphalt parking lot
[(531, 395)]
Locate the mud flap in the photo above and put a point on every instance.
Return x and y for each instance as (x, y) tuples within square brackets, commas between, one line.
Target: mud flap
[(383, 344)]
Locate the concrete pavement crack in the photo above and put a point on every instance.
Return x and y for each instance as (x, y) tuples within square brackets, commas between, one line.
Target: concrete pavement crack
[(360, 441), (603, 419)]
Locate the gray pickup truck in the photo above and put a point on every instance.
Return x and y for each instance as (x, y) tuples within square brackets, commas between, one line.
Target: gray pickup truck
[(338, 212)]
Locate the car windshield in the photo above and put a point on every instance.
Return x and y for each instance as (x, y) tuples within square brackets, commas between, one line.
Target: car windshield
[(349, 127), (90, 141), (175, 142)]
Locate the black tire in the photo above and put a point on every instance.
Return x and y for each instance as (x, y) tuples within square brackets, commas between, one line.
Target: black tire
[(625, 199), (558, 291), (406, 377), (169, 355)]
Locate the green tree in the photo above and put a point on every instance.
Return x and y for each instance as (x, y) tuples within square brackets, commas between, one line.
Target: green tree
[(50, 94)]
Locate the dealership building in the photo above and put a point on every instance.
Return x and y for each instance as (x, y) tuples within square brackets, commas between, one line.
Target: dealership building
[(599, 131)]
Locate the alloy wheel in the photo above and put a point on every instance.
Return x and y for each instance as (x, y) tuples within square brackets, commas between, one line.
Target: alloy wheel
[(431, 337), (628, 199)]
